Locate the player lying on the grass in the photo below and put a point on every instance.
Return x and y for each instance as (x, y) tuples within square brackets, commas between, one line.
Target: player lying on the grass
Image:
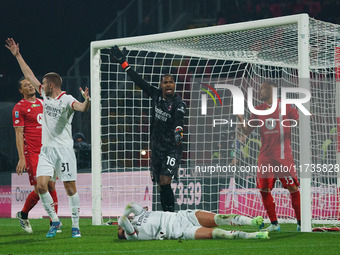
[(187, 224)]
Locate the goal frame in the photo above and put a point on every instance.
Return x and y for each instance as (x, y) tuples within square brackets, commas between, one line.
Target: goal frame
[(303, 68)]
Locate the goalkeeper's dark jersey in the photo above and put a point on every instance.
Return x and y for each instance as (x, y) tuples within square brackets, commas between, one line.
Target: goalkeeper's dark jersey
[(166, 115)]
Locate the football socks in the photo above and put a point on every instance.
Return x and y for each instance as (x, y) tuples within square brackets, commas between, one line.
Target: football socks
[(31, 200), (74, 203), (49, 206), (296, 204), (167, 198), (269, 205)]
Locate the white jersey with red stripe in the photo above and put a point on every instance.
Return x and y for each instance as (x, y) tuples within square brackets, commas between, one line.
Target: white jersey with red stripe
[(276, 131), (57, 119)]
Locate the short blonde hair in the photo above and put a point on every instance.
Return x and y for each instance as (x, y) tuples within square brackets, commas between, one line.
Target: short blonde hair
[(54, 78)]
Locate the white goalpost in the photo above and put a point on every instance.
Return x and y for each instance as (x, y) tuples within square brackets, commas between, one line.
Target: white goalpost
[(294, 51)]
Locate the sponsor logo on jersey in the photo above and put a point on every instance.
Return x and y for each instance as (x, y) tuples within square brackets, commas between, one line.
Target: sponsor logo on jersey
[(52, 111), (270, 123), (16, 114), (35, 105), (16, 122), (159, 114)]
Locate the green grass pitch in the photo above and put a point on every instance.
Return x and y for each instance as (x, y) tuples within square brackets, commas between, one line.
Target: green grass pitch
[(103, 240)]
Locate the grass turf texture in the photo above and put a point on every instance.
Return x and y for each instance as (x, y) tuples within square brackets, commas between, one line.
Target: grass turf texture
[(103, 240)]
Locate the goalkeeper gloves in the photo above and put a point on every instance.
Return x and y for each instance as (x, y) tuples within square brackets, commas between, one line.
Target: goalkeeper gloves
[(178, 135), (119, 57)]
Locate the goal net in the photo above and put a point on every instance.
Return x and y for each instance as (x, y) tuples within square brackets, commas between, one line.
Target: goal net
[(216, 172)]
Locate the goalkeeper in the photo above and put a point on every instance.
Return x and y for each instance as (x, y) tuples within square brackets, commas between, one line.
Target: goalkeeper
[(166, 131), (188, 224)]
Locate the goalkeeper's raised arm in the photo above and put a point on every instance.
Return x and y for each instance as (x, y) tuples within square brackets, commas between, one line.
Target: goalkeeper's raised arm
[(119, 57)]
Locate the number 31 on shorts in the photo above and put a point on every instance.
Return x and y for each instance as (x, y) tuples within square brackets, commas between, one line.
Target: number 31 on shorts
[(65, 167)]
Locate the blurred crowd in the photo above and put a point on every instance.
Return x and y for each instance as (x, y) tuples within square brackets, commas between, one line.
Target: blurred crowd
[(327, 10)]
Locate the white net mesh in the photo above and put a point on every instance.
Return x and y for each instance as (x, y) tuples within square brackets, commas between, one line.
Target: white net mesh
[(243, 58)]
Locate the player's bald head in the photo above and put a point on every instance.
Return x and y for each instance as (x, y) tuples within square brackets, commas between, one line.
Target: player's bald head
[(266, 89), (270, 83)]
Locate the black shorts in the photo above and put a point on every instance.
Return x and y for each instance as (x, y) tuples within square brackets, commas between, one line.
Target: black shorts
[(165, 163)]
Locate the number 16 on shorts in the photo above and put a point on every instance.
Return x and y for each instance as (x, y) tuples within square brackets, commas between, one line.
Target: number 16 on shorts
[(170, 161), (172, 164)]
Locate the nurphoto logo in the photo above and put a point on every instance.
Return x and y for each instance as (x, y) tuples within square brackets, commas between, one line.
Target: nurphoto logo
[(239, 98)]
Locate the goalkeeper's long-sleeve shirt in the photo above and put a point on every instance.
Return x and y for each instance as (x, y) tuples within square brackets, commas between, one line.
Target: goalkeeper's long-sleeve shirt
[(166, 115)]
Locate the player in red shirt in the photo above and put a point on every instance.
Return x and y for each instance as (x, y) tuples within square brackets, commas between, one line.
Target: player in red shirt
[(27, 119), (276, 152)]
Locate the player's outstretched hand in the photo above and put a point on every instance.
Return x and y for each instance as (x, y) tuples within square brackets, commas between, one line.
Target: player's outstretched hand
[(85, 94), (117, 55), (178, 135), (12, 46)]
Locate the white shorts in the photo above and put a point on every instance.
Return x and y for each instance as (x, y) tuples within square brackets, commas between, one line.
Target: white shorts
[(185, 225), (57, 162)]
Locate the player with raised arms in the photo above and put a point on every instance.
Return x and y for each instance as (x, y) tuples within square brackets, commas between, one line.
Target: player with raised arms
[(57, 157), (275, 151), (166, 131), (27, 119), (186, 224)]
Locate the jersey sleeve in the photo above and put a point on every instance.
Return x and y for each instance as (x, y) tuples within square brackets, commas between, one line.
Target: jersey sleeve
[(130, 232), (179, 114), (70, 101), (140, 82), (134, 208), (293, 112), (18, 116)]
